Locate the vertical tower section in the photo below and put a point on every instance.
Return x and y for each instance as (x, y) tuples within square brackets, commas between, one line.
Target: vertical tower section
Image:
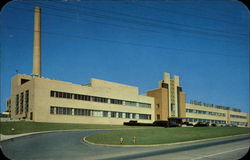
[(37, 43), (169, 99)]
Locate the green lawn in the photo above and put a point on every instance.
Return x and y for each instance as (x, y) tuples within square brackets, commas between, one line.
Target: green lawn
[(164, 135), (26, 127)]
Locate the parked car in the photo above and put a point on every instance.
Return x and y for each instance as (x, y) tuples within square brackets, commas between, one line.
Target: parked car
[(173, 124), (200, 124), (213, 125), (160, 123), (187, 123), (166, 124), (135, 123)]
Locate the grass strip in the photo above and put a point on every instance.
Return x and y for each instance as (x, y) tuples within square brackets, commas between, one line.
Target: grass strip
[(164, 135), (27, 127)]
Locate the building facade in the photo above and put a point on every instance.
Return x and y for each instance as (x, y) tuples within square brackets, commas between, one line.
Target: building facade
[(199, 113), (171, 105), (100, 102)]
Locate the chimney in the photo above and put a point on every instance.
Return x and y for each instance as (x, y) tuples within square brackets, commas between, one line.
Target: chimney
[(37, 44)]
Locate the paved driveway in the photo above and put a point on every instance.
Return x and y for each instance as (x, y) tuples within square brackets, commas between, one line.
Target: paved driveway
[(69, 145)]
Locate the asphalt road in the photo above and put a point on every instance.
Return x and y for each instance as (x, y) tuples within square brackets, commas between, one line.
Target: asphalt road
[(69, 145)]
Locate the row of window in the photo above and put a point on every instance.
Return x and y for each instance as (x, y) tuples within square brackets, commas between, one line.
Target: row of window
[(239, 123), (238, 116), (206, 121), (97, 99), (22, 102), (205, 112), (97, 113)]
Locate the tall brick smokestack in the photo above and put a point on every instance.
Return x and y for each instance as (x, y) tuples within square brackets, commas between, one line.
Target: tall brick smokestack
[(37, 43)]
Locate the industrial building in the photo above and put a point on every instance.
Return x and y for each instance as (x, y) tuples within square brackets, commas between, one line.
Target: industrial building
[(101, 102), (170, 104)]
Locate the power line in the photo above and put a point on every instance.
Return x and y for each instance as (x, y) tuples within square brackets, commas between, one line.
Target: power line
[(113, 25), (211, 9), (131, 21), (152, 19), (177, 12), (127, 43)]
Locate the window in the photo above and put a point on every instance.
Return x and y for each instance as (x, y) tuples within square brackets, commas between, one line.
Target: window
[(127, 115), (105, 113), (146, 105), (31, 115), (64, 95), (157, 106), (21, 103), (52, 93), (113, 114), (237, 116), (24, 81), (144, 116), (133, 115), (119, 114), (97, 113), (60, 94), (130, 103), (86, 98), (115, 101), (164, 85), (52, 110), (100, 99), (17, 104), (158, 117), (26, 101), (172, 107)]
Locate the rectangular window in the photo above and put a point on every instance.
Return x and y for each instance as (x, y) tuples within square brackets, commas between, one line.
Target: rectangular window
[(26, 101), (64, 95), (69, 95), (57, 94), (120, 114), (157, 106), (17, 104), (133, 115), (145, 105), (69, 111), (52, 93), (52, 110), (105, 113), (127, 115), (87, 98), (75, 96), (113, 114), (115, 101), (130, 103), (60, 94), (31, 115), (100, 99), (21, 103), (145, 116), (158, 117)]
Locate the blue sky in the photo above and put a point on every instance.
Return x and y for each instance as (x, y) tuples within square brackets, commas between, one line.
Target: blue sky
[(133, 42)]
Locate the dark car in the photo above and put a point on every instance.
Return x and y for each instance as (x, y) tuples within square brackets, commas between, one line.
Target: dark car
[(213, 125), (200, 124), (131, 123), (160, 123), (187, 123), (173, 124)]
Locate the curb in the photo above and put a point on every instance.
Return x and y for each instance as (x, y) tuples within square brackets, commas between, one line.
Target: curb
[(155, 145)]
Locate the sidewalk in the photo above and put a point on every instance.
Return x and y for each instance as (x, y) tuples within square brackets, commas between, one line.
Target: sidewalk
[(5, 137)]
